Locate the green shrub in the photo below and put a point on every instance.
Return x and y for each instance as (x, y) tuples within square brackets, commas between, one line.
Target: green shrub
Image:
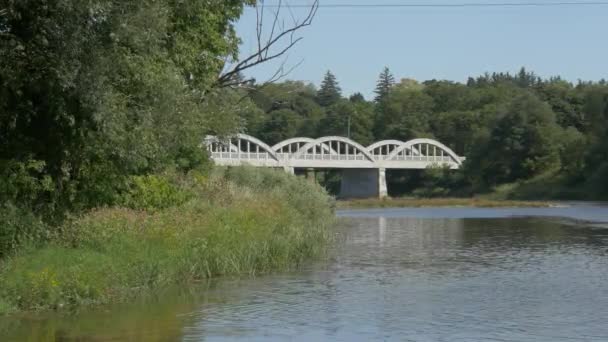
[(19, 227), (441, 181), (309, 198), (24, 182), (153, 192), (241, 221), (597, 184)]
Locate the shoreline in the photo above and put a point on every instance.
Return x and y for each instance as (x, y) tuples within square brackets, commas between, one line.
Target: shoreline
[(371, 203), (238, 222)]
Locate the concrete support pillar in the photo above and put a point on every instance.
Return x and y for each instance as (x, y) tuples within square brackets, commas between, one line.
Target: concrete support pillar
[(382, 187), (290, 170), (310, 175), (363, 183)]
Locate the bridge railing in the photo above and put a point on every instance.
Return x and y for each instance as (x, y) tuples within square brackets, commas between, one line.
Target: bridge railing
[(330, 157), (442, 159), (327, 157), (241, 155)]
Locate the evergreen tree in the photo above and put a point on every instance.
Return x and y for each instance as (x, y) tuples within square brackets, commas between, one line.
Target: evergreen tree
[(385, 81), (330, 91)]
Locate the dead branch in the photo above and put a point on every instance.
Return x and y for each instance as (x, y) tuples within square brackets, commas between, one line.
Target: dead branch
[(280, 40)]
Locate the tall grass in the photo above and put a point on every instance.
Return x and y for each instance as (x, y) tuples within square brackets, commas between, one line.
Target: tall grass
[(237, 221)]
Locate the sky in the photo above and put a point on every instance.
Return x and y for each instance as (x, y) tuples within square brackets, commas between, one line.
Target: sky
[(439, 43)]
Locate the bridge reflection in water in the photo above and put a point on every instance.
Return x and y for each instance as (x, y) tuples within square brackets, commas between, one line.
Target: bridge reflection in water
[(363, 168)]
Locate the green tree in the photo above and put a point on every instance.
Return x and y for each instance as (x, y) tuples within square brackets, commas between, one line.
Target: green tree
[(457, 129), (295, 96), (99, 90), (566, 102), (522, 143), (406, 115), (385, 82), (329, 92), (281, 124)]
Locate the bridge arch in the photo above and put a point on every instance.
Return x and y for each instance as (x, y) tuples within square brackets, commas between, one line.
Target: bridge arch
[(395, 144), (265, 148), (210, 140), (429, 142), (299, 142), (358, 148)]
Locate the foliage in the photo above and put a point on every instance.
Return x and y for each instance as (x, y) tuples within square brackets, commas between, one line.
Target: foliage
[(240, 221), (329, 92), (24, 182), (511, 127), (439, 181), (19, 227), (153, 192), (385, 82), (523, 142), (93, 92), (406, 115)]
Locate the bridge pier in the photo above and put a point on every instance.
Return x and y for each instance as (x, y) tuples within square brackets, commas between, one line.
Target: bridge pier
[(363, 183), (310, 175)]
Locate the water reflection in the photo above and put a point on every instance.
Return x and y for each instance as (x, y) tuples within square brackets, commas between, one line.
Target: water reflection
[(388, 277)]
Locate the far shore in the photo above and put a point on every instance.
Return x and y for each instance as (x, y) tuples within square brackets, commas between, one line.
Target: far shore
[(438, 202)]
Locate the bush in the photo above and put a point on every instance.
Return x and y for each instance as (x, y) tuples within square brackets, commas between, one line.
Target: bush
[(237, 221), (441, 181), (597, 183), (19, 227), (153, 192)]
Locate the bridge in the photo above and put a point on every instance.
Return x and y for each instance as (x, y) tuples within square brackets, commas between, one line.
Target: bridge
[(363, 168)]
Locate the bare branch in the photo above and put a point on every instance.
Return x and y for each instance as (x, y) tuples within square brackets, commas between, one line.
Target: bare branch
[(285, 36), (259, 17), (281, 73), (274, 23)]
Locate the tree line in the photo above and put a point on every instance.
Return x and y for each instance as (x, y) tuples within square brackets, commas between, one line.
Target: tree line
[(511, 127)]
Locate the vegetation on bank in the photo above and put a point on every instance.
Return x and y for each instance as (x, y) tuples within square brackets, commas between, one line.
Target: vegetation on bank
[(437, 202), (512, 128), (171, 230)]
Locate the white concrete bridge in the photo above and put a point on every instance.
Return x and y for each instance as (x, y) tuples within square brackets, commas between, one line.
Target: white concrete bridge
[(364, 168)]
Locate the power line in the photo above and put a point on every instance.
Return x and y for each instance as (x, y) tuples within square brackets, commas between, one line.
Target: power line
[(457, 5)]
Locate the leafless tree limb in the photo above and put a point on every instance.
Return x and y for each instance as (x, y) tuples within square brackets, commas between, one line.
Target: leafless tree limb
[(280, 40)]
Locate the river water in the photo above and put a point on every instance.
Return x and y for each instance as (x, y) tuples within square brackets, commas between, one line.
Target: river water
[(455, 274)]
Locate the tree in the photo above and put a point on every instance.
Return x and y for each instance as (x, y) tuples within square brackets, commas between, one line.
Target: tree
[(282, 124), (456, 129), (293, 95), (596, 164), (406, 115), (522, 143), (356, 98), (565, 101), (383, 86), (337, 119), (96, 91), (330, 91)]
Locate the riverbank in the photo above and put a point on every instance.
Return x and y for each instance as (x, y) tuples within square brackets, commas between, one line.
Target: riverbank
[(240, 221), (437, 202)]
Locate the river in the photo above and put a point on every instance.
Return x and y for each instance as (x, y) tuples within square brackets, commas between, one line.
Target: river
[(453, 274)]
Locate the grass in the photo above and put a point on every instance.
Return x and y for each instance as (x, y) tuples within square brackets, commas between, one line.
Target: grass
[(237, 222), (436, 202)]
